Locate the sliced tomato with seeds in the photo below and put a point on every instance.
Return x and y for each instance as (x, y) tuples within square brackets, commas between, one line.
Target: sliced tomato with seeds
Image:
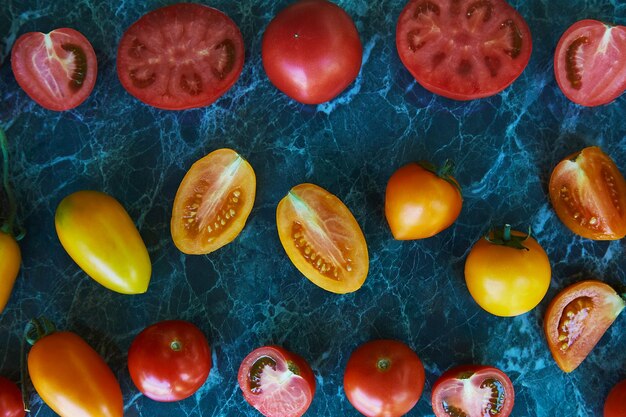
[(590, 62), (577, 318), (463, 49), (213, 202), (322, 239), (588, 193), (181, 56), (57, 70)]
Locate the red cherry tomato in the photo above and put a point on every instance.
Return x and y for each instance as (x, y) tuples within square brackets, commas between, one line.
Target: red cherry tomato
[(590, 62), (311, 51), (276, 382), (473, 391), (58, 69), (463, 49), (196, 63), (11, 404), (384, 378), (615, 404), (169, 360)]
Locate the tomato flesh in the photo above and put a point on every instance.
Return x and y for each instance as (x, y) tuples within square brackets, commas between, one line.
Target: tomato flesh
[(11, 404), (180, 56), (463, 49)]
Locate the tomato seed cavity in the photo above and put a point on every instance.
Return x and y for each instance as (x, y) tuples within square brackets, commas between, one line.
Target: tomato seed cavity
[(493, 64), (516, 38), (573, 320), (425, 7), (453, 411), (225, 215), (465, 68), (137, 49), (496, 401), (308, 252), (256, 370), (415, 41), (80, 65), (226, 61), (143, 80), (573, 70), (438, 59), (484, 5), (192, 84)]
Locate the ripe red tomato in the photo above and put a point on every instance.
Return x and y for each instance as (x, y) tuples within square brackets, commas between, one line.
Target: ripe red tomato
[(199, 60), (169, 360), (384, 378), (590, 62), (276, 382), (463, 49), (58, 69), (615, 404), (11, 404), (311, 51), (589, 195), (473, 391)]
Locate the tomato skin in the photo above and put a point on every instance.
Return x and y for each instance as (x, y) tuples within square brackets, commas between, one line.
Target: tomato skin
[(419, 204), (588, 193), (72, 378), (169, 360), (11, 404), (99, 235), (311, 51), (507, 281), (384, 378), (9, 267), (615, 406)]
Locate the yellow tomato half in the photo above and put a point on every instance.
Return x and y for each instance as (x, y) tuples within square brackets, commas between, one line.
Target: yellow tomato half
[(10, 259)]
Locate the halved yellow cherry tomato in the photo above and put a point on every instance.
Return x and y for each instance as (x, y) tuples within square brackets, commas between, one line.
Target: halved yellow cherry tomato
[(10, 259)]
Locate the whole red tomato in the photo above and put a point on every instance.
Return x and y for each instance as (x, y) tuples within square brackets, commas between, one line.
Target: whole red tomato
[(11, 404), (615, 405), (384, 378), (311, 51), (170, 360)]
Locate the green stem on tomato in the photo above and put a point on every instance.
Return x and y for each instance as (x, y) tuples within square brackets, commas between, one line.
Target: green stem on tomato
[(506, 234), (445, 172), (8, 225), (502, 236)]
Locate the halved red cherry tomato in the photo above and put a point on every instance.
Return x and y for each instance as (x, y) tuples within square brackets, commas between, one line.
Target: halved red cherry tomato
[(590, 62), (311, 51), (58, 69), (473, 391), (11, 404), (384, 378), (181, 56), (577, 318), (276, 382), (615, 404), (169, 360), (463, 49), (588, 193)]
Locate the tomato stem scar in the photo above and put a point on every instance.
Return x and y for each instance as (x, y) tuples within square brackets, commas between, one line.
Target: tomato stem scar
[(176, 346), (383, 364)]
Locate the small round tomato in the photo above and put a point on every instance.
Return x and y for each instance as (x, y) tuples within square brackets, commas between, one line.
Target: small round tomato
[(615, 404), (384, 378), (11, 404), (588, 193), (473, 391), (322, 239), (507, 273), (422, 200), (181, 56), (311, 51), (57, 70), (577, 318), (99, 235), (463, 49), (9, 267), (213, 202), (276, 382), (590, 62), (170, 360)]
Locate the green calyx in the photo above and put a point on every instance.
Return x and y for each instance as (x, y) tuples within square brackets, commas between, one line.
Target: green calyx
[(9, 222), (502, 236), (445, 172)]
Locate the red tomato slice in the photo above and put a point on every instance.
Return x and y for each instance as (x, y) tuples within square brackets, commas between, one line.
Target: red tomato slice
[(590, 62), (463, 49), (180, 57), (58, 70), (473, 391), (276, 382)]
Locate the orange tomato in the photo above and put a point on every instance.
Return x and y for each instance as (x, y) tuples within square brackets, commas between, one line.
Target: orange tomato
[(322, 239), (9, 267)]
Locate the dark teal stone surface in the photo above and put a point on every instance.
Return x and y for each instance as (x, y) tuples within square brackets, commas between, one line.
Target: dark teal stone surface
[(248, 294)]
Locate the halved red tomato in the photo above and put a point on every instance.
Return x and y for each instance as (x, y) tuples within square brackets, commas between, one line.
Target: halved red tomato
[(590, 62), (577, 318), (213, 202), (589, 195), (276, 382), (473, 391), (181, 56), (463, 49), (322, 239), (58, 69)]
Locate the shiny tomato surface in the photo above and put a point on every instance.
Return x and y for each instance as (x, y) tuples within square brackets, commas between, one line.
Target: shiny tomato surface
[(615, 404), (11, 404), (10, 260)]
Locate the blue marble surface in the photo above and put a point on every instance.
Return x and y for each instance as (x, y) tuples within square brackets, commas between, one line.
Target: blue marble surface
[(248, 293)]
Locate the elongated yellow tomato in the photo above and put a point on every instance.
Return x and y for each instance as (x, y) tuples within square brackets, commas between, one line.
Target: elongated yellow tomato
[(10, 259), (99, 235)]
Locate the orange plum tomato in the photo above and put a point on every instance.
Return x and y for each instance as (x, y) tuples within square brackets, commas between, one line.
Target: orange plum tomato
[(384, 378), (11, 404), (9, 267), (507, 272), (615, 404), (99, 235), (422, 200)]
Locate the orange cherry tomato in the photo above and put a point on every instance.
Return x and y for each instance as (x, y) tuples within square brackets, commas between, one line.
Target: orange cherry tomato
[(322, 239), (589, 195), (9, 267), (421, 200), (213, 202)]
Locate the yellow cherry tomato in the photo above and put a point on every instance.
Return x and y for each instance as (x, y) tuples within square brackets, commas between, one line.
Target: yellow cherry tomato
[(99, 235), (10, 259)]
